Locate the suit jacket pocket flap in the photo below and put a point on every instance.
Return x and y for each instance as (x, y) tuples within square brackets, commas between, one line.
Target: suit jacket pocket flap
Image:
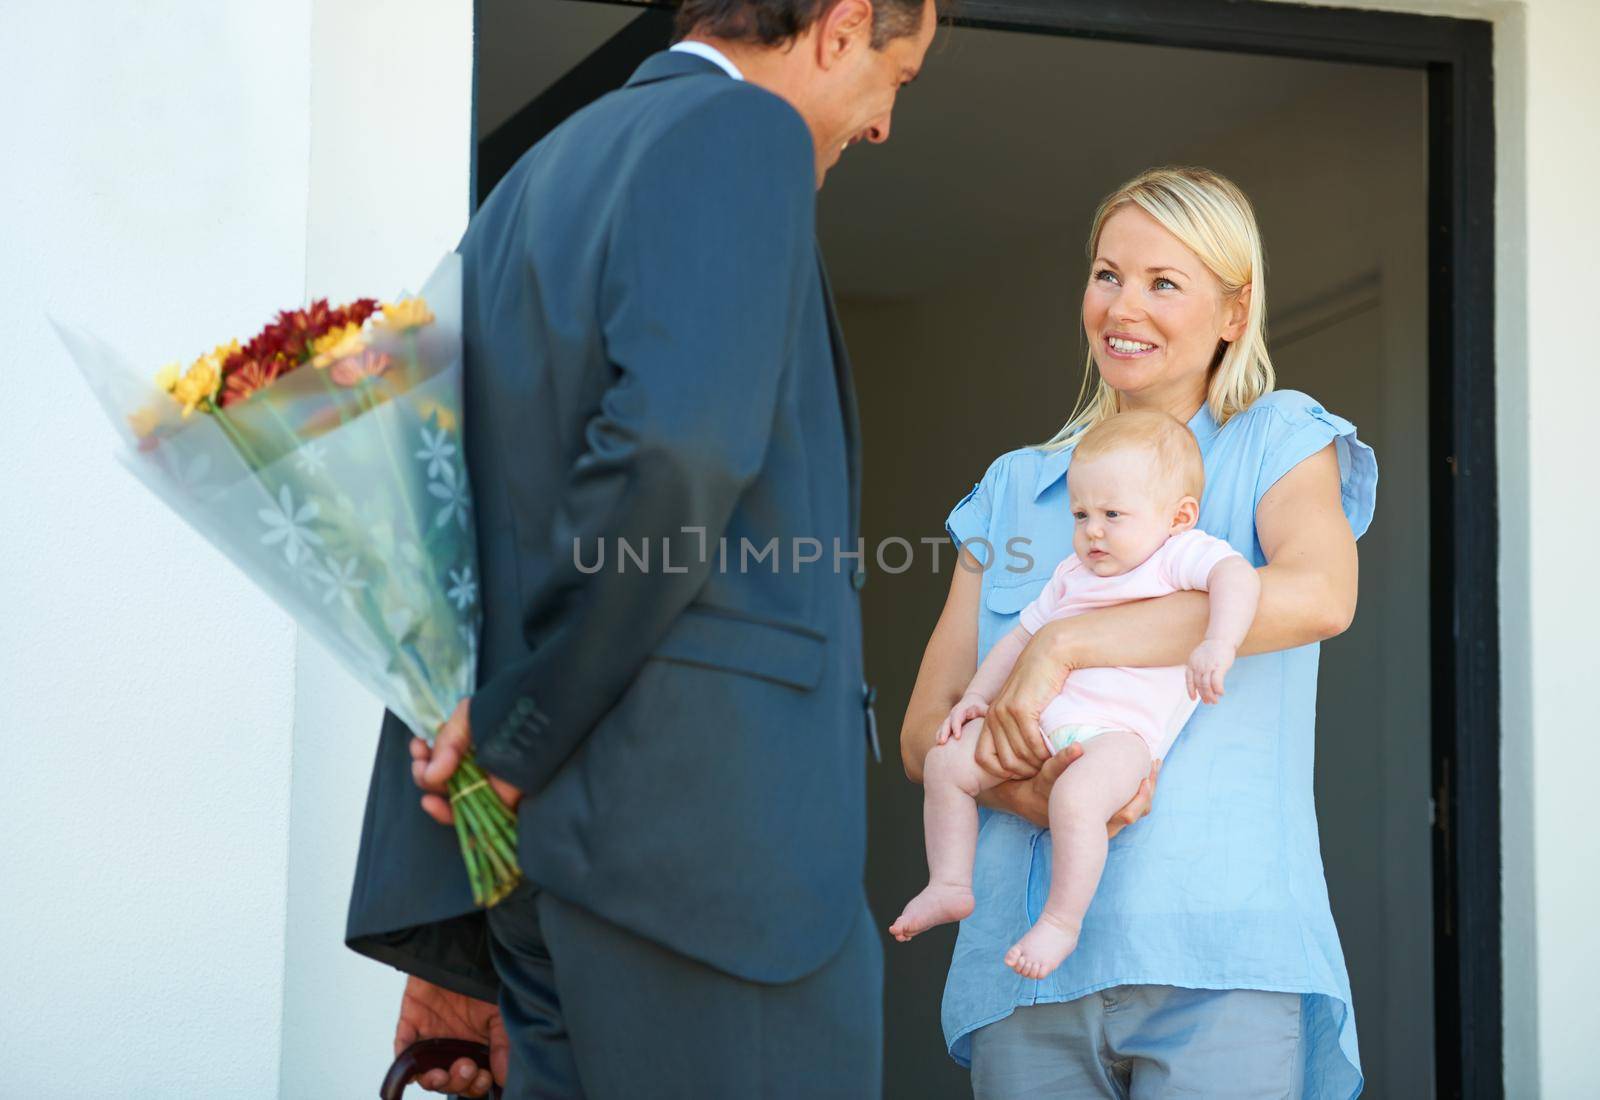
[(790, 655)]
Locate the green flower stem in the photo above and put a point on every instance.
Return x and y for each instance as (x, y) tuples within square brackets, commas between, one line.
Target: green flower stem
[(496, 812), (333, 393), (497, 835), (476, 873), (500, 827), (252, 461), (479, 816), (502, 871), (485, 818), (504, 875), (482, 870), (392, 449)]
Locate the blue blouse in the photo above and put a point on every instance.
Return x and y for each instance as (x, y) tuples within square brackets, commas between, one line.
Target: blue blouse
[(1221, 887)]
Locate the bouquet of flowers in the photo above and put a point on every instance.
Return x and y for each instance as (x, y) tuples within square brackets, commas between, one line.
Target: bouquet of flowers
[(324, 458)]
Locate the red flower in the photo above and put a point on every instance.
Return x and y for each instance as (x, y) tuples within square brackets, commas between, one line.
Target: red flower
[(356, 313), (285, 343)]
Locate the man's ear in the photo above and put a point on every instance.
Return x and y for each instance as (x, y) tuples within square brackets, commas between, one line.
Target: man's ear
[(847, 24), (1236, 314)]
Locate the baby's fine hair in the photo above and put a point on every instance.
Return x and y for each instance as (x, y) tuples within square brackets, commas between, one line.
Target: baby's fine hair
[(1170, 445)]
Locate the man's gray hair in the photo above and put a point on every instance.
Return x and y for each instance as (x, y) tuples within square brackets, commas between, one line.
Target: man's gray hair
[(776, 22)]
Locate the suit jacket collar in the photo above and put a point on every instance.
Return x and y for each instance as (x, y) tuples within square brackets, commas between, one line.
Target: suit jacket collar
[(668, 65)]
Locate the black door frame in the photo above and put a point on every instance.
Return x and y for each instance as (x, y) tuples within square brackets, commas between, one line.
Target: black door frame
[(1457, 56)]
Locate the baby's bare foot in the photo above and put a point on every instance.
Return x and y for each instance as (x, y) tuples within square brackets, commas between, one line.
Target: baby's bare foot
[(1043, 948), (935, 905)]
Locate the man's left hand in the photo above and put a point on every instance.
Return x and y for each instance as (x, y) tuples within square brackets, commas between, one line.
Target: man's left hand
[(433, 765), (428, 1011)]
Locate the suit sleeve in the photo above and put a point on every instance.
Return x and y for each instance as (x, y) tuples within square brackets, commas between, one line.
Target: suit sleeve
[(411, 906), (700, 295)]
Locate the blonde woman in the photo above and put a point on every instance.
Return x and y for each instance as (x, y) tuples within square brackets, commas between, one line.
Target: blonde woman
[(1208, 963)]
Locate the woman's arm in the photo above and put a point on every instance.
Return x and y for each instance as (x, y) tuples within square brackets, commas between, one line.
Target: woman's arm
[(1308, 593), (997, 664), (948, 664)]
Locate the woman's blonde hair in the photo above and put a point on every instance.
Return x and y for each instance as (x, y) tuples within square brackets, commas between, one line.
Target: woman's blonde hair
[(1214, 220)]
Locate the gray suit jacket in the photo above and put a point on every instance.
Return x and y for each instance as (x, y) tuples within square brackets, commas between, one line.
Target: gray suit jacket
[(651, 347)]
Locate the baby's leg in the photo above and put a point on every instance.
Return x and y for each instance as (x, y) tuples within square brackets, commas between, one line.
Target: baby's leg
[(951, 780), (1081, 802)]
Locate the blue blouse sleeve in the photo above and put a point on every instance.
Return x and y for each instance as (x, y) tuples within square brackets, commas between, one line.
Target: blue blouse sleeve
[(969, 519), (1297, 429)]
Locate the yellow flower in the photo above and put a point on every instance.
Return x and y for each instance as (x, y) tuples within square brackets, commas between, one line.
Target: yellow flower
[(336, 344), (144, 420), (406, 314), (447, 419), (198, 384), (167, 376)]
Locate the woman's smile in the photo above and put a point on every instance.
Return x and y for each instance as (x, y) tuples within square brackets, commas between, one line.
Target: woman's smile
[(1123, 346)]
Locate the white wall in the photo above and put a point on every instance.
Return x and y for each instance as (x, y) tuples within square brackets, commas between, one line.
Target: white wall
[(155, 184), (391, 143), (174, 195), (1548, 391)]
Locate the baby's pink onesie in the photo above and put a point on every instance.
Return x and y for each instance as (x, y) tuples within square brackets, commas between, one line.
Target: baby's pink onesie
[(1152, 702)]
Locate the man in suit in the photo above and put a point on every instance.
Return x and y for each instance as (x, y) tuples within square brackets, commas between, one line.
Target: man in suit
[(653, 362)]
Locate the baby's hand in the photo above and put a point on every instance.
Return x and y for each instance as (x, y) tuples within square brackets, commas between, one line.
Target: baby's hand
[(1208, 664), (971, 706)]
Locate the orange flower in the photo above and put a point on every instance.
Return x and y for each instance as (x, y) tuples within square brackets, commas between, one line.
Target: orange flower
[(352, 370), (249, 377)]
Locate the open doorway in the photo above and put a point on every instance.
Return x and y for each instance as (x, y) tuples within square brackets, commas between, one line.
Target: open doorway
[(957, 254), (957, 257)]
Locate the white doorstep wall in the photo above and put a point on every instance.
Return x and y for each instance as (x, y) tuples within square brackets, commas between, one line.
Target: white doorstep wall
[(155, 186), (391, 155)]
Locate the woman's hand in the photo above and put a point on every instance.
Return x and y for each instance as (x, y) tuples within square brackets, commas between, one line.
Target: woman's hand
[(986, 759), (1022, 761), (1018, 743), (1030, 798)]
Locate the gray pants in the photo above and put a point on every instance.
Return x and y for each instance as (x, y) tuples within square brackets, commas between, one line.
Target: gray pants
[(593, 1011), (1138, 1042)]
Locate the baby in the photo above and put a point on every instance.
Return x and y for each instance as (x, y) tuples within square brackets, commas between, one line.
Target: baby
[(1134, 485)]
